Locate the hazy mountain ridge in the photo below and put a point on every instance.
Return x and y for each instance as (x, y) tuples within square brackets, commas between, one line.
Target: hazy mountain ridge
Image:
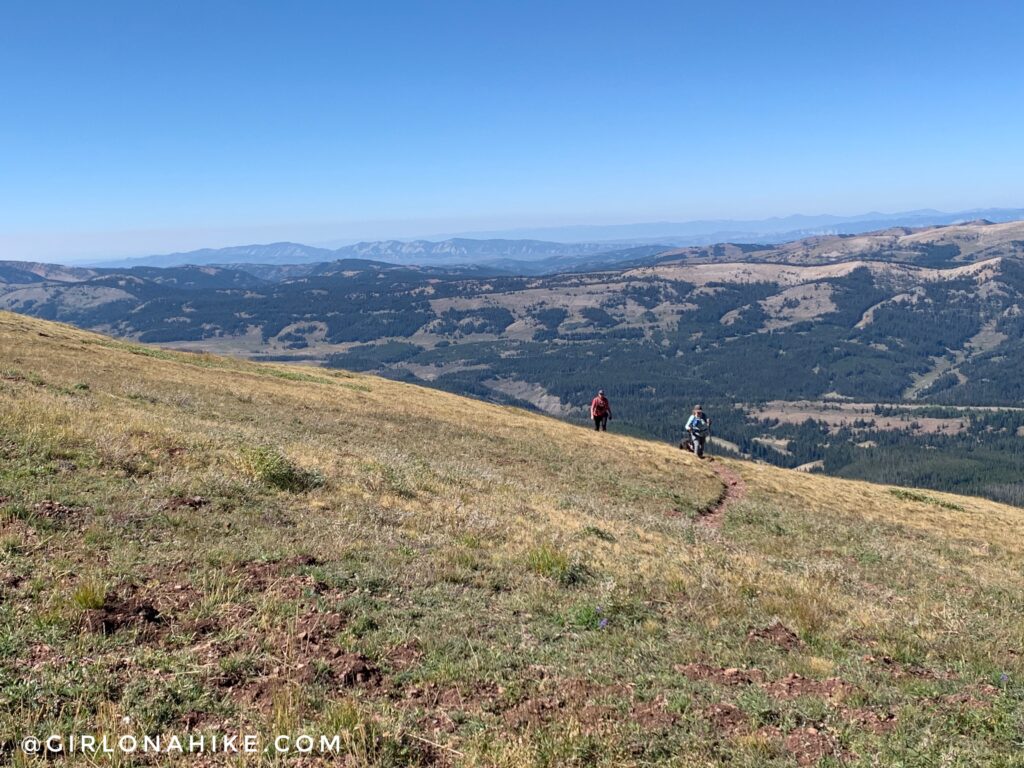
[(771, 230), (455, 251), (515, 250)]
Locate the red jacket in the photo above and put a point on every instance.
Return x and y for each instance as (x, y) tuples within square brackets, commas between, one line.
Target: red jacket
[(600, 406)]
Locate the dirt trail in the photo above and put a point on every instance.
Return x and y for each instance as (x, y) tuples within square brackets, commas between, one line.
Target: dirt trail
[(733, 490)]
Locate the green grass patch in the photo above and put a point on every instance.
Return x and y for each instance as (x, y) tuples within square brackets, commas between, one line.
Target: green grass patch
[(549, 561), (269, 466), (906, 494)]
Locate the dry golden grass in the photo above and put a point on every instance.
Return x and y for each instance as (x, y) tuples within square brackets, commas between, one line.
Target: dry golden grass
[(520, 591)]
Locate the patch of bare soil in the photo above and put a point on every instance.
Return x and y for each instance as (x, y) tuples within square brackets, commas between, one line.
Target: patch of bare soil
[(319, 628), (809, 746), (439, 702), (57, 512), (793, 686), (346, 670), (9, 582), (720, 675), (726, 718), (580, 700), (279, 577), (119, 613), (869, 720), (976, 697), (777, 634), (405, 656), (915, 671), (189, 502)]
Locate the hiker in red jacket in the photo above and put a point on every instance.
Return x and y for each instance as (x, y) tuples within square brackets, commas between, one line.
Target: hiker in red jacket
[(600, 411)]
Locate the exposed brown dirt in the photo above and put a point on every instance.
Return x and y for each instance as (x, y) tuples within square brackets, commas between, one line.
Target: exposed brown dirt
[(578, 700), (809, 746), (122, 613), (60, 513), (726, 718), (720, 675), (793, 686), (869, 720), (405, 656), (777, 634), (734, 489), (191, 502), (316, 628), (915, 671), (976, 697), (280, 577)]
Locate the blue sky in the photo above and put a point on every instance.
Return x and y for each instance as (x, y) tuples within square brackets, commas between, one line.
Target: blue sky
[(138, 127)]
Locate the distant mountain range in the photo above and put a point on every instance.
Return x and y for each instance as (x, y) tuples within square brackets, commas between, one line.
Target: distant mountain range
[(771, 230), (512, 256), (554, 249)]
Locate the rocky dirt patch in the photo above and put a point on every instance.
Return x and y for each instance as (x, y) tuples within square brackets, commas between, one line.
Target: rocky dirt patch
[(405, 656), (899, 670), (726, 718), (793, 686), (280, 577), (809, 745), (869, 720), (777, 634), (56, 512), (118, 613), (580, 700), (188, 502), (720, 675)]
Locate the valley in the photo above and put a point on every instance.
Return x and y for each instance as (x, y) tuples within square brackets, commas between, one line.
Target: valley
[(888, 320)]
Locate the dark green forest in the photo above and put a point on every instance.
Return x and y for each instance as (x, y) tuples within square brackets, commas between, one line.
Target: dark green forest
[(656, 344)]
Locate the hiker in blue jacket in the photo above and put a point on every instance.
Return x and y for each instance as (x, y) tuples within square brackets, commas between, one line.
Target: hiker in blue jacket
[(698, 426)]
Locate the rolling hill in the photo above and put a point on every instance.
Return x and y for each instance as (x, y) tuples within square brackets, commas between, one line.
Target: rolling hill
[(893, 356), (198, 544)]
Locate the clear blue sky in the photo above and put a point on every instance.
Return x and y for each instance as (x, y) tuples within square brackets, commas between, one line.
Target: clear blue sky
[(147, 126)]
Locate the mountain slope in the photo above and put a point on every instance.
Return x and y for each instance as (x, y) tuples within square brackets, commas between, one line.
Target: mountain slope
[(895, 356), (944, 246), (223, 545)]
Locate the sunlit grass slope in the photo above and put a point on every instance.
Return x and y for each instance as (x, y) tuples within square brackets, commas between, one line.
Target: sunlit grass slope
[(199, 544)]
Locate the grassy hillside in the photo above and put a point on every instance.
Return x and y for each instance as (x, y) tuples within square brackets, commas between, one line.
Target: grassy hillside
[(191, 543)]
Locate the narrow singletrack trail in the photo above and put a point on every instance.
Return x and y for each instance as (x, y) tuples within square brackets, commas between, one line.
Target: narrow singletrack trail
[(733, 490)]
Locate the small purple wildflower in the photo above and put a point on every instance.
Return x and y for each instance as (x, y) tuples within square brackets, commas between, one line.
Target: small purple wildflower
[(598, 610), (602, 624), (1004, 678)]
